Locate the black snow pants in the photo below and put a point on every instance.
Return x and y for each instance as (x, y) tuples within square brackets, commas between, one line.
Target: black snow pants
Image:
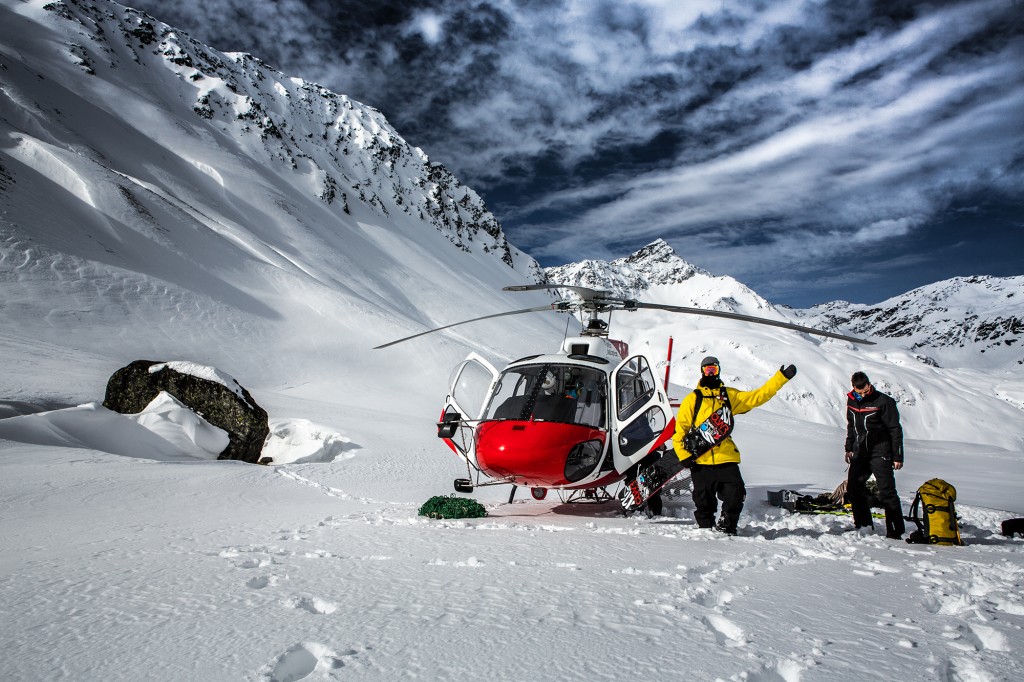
[(713, 482), (861, 469)]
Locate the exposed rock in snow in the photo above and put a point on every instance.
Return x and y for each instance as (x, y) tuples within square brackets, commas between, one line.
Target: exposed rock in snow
[(210, 393)]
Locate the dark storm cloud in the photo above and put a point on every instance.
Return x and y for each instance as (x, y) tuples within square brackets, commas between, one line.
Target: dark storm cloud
[(816, 136)]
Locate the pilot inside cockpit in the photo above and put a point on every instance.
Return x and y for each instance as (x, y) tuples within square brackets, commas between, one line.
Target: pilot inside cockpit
[(554, 393), (556, 400)]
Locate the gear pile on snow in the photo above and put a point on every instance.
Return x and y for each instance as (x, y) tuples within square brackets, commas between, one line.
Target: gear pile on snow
[(441, 507)]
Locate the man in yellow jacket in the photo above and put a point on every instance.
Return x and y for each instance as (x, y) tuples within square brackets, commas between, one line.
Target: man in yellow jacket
[(703, 436)]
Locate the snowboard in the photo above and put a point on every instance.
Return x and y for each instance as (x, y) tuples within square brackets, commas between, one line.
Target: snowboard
[(808, 504), (711, 432), (643, 491)]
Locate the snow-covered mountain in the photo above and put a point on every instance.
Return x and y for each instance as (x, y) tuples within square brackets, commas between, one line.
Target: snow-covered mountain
[(656, 263), (160, 180), (657, 271), (323, 143), (934, 345), (979, 320), (962, 318), (162, 200)]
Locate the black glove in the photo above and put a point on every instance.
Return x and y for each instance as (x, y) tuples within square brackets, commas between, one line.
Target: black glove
[(788, 372)]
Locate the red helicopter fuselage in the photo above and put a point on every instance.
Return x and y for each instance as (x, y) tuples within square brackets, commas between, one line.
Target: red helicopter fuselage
[(574, 420), (539, 454)]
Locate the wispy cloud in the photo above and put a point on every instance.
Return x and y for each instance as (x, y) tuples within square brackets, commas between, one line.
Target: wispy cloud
[(736, 131)]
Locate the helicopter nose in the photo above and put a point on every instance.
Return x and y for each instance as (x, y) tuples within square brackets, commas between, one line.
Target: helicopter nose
[(536, 453)]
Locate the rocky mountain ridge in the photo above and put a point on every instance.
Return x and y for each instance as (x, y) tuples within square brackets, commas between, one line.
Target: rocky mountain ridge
[(342, 151), (978, 314)]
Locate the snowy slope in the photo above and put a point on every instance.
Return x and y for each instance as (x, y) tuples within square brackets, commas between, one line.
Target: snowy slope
[(118, 194), (134, 226)]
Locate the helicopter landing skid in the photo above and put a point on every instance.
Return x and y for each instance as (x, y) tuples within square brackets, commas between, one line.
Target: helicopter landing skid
[(585, 496), (466, 485)]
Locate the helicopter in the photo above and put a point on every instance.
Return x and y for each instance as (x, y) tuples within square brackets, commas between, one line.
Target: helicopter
[(579, 420)]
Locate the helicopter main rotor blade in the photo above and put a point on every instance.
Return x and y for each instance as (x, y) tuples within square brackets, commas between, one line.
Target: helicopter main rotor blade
[(751, 318), (535, 309), (585, 293)]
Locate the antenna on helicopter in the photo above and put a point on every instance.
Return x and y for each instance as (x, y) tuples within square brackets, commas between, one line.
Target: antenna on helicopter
[(596, 301)]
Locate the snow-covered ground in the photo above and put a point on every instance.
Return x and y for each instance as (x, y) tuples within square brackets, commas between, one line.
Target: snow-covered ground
[(131, 227), (140, 566)]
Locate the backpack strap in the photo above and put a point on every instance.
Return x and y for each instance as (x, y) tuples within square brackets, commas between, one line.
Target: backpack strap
[(953, 526), (915, 512), (723, 395), (700, 438)]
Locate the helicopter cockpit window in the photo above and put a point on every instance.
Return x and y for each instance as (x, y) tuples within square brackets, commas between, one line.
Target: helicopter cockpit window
[(567, 394), (634, 385)]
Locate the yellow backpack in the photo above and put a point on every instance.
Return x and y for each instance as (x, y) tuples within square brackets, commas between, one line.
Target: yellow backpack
[(934, 513)]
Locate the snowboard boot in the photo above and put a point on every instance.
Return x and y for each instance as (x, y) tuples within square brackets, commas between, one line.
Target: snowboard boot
[(723, 526)]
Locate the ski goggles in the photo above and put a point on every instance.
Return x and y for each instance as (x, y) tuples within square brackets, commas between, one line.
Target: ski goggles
[(710, 370)]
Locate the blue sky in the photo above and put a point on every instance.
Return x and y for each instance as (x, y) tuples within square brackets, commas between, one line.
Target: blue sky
[(813, 149)]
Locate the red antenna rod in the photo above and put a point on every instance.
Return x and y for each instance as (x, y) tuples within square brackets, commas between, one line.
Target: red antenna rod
[(668, 365)]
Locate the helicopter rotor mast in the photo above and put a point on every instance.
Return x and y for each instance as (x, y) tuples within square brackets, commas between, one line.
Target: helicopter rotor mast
[(594, 301)]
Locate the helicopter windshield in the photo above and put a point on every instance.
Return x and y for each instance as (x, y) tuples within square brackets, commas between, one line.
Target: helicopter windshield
[(569, 394)]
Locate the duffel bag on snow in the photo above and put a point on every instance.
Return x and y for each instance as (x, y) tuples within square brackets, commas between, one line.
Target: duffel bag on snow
[(934, 513), (1013, 527)]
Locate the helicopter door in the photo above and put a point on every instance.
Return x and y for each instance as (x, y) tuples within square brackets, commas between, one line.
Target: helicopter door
[(468, 391), (641, 413)]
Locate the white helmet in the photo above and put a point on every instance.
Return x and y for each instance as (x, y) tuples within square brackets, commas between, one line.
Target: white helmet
[(549, 382)]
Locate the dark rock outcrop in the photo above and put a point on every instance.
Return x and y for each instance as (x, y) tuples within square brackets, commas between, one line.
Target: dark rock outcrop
[(130, 389)]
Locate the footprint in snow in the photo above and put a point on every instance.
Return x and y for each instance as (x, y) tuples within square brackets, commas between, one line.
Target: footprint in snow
[(314, 605), (785, 670), (984, 636), (873, 568), (726, 632), (302, 660), (709, 598), (261, 581), (259, 562), (963, 670)]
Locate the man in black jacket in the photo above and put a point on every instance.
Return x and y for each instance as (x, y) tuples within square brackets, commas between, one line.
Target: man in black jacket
[(874, 445)]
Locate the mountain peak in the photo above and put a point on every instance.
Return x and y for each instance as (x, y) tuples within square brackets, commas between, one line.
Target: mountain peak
[(653, 265), (657, 265), (658, 250), (660, 264)]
